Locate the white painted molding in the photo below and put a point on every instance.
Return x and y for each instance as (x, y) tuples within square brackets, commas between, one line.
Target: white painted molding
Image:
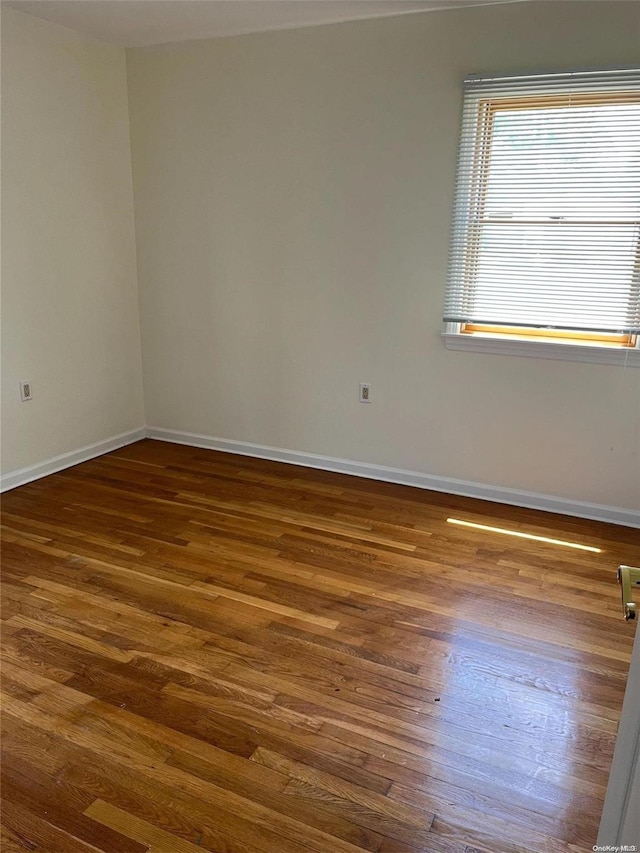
[(67, 460), (543, 349), (499, 494), (620, 822)]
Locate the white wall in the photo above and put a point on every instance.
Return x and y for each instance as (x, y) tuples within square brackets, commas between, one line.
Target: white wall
[(293, 197), (69, 294)]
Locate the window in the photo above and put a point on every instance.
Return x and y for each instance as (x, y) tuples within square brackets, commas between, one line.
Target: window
[(545, 256)]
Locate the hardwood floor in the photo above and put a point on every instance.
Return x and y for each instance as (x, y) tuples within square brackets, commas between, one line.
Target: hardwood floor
[(205, 651)]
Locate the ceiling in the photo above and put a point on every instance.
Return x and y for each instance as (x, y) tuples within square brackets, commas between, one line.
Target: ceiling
[(134, 23)]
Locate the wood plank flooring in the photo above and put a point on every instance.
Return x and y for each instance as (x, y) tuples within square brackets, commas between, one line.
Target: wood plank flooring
[(208, 652)]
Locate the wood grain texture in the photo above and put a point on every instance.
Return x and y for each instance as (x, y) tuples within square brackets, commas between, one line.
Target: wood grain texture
[(208, 652)]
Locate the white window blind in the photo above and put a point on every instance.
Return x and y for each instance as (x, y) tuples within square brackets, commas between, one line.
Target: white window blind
[(546, 233)]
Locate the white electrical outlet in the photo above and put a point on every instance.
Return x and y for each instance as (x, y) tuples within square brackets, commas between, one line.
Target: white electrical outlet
[(26, 390), (365, 392)]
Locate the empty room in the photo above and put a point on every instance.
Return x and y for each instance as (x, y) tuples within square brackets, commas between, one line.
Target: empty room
[(320, 426)]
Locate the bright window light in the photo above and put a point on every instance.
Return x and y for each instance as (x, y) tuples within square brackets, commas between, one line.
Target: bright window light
[(524, 535), (546, 238)]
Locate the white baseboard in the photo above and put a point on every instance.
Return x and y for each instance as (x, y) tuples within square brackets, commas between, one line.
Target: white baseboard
[(66, 460), (499, 494)]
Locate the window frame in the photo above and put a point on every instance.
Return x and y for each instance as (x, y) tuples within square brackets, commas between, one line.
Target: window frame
[(563, 344)]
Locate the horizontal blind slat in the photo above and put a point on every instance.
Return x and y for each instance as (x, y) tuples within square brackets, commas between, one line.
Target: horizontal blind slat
[(547, 215)]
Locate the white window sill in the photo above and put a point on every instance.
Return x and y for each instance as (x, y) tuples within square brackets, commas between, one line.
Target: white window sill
[(543, 349)]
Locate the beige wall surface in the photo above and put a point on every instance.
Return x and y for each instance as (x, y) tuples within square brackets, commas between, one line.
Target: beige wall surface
[(293, 197), (70, 319)]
